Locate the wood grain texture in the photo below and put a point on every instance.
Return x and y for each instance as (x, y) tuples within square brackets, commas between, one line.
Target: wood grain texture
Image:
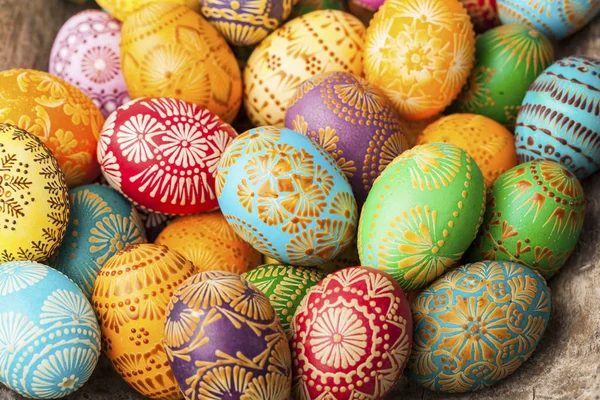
[(567, 362)]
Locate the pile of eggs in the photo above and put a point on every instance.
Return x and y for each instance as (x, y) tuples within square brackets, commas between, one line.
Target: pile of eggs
[(435, 155)]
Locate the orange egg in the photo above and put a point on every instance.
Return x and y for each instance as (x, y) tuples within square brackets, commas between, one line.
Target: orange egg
[(131, 296), (491, 145), (210, 243), (62, 116)]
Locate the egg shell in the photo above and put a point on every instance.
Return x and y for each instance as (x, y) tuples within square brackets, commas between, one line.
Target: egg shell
[(102, 222), (355, 325), (121, 9), (417, 237), (351, 120), (34, 198), (412, 129), (286, 197), (491, 145), (285, 286), (86, 54), (130, 298), (534, 216), (509, 59), (163, 154), (49, 335), (320, 41), (168, 50), (420, 59), (218, 320), (476, 325), (559, 119), (557, 19), (62, 116), (209, 243), (483, 13), (305, 6)]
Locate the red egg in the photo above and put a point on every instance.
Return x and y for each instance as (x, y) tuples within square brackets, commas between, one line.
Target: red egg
[(352, 335), (163, 153)]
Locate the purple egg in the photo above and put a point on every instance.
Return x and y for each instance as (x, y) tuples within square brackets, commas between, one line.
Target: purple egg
[(86, 54), (351, 120)]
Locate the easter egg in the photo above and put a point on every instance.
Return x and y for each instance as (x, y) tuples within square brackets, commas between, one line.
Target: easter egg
[(354, 325), (224, 324), (491, 145), (420, 53), (130, 298), (62, 116), (320, 41), (163, 153), (34, 198), (476, 325), (534, 216), (209, 243), (556, 19), (168, 50), (305, 6), (102, 222), (351, 120), (509, 58), (559, 118), (121, 9), (285, 286), (483, 13), (286, 197), (417, 237), (86, 54), (49, 336)]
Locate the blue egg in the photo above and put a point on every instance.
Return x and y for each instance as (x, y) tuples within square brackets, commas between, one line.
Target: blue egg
[(476, 325), (49, 335), (559, 119), (102, 222), (286, 196)]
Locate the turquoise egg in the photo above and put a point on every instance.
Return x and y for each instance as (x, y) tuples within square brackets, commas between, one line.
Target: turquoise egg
[(286, 196), (476, 325), (49, 335), (559, 119), (102, 222)]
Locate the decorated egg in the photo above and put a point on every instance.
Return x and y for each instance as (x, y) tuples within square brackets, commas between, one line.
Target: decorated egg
[(286, 196), (34, 198), (417, 237), (420, 53), (509, 59), (224, 324), (483, 13), (62, 116), (102, 222), (320, 41), (49, 336), (351, 120), (412, 129), (121, 9), (556, 19), (130, 298), (534, 216), (352, 335), (285, 286), (490, 144), (305, 6), (209, 243), (168, 50), (163, 153), (86, 54), (476, 325), (559, 118)]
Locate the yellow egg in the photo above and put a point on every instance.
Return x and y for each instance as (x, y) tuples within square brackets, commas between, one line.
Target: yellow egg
[(320, 41), (131, 295), (121, 9), (34, 199), (420, 52), (209, 243), (168, 50)]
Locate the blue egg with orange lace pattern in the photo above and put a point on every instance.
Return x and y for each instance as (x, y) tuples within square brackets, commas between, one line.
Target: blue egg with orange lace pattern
[(286, 196)]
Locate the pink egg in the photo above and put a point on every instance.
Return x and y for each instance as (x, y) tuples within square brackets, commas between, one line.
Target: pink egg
[(86, 54)]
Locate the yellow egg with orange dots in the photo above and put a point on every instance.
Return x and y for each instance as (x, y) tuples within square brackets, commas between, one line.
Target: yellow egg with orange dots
[(121, 9), (420, 53), (491, 145)]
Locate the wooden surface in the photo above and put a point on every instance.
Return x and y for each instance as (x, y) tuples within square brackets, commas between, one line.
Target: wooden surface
[(567, 362)]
